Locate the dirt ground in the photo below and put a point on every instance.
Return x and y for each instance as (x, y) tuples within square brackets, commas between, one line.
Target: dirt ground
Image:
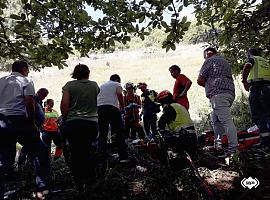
[(146, 177)]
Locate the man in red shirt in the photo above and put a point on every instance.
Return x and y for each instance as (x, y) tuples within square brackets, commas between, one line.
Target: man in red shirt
[(181, 86)]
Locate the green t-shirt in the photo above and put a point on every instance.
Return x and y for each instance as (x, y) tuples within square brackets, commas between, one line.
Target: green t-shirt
[(83, 100)]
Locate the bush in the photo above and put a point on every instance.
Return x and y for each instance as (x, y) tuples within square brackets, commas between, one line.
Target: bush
[(240, 112)]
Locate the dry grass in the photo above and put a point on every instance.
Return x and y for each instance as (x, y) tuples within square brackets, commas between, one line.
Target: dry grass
[(133, 66)]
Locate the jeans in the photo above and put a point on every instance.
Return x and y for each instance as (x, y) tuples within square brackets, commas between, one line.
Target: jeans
[(110, 115), (19, 130), (222, 119), (80, 136), (259, 98), (150, 122), (133, 127), (49, 136)]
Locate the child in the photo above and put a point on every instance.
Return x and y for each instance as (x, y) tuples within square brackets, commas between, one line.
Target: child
[(50, 129)]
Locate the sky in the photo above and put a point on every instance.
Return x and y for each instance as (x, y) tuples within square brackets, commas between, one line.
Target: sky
[(187, 11)]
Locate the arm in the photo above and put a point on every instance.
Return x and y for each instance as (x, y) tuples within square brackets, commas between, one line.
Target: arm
[(201, 81), (120, 97), (139, 102), (64, 107), (30, 108), (246, 70), (168, 115), (187, 86), (204, 72)]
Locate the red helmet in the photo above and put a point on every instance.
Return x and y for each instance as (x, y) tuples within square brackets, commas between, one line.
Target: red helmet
[(141, 84), (164, 96)]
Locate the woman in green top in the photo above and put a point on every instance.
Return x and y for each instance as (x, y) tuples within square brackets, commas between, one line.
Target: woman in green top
[(79, 112)]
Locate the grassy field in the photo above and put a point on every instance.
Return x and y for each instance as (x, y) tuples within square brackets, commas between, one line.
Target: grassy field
[(133, 66), (150, 66)]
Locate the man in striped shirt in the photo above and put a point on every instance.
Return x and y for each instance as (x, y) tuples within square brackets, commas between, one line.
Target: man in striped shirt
[(216, 77)]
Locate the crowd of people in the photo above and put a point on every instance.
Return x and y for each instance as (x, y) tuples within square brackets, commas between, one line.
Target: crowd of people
[(90, 111)]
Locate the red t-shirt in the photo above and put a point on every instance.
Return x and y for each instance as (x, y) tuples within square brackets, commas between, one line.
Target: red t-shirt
[(178, 88)]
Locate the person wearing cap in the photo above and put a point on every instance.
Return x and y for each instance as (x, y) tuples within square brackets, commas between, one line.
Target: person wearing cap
[(176, 119), (150, 108), (17, 124), (256, 80), (181, 86), (216, 77), (132, 104)]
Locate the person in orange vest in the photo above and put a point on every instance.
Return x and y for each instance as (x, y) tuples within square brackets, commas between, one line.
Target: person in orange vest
[(50, 129)]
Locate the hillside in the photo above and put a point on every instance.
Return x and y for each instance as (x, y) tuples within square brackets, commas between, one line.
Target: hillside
[(147, 65), (150, 66)]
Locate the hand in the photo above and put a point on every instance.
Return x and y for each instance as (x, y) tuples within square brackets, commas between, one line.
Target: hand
[(122, 111), (34, 128), (135, 105), (182, 94), (246, 85), (141, 114)]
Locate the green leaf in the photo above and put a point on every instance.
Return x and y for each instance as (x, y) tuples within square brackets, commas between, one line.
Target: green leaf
[(185, 3), (19, 28), (180, 8), (184, 19), (128, 38), (23, 16), (168, 47), (112, 30), (16, 17), (170, 8), (164, 24), (173, 47), (141, 19), (146, 33), (111, 42), (33, 21)]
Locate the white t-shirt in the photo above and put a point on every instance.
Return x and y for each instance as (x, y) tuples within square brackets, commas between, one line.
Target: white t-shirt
[(13, 89), (107, 95)]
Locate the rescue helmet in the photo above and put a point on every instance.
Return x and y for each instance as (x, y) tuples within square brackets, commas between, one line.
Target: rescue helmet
[(141, 84), (129, 85), (165, 97)]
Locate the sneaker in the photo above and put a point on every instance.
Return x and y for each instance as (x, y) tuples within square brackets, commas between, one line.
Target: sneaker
[(41, 194), (227, 154), (125, 160), (218, 147), (253, 129)]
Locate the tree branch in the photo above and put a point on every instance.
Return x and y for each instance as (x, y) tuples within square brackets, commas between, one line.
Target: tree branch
[(9, 42)]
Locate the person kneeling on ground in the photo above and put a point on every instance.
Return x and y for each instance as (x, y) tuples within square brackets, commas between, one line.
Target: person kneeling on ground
[(177, 120)]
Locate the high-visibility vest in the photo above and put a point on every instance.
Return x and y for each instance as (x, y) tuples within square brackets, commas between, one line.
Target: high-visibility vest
[(182, 118), (260, 70), (51, 118)]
